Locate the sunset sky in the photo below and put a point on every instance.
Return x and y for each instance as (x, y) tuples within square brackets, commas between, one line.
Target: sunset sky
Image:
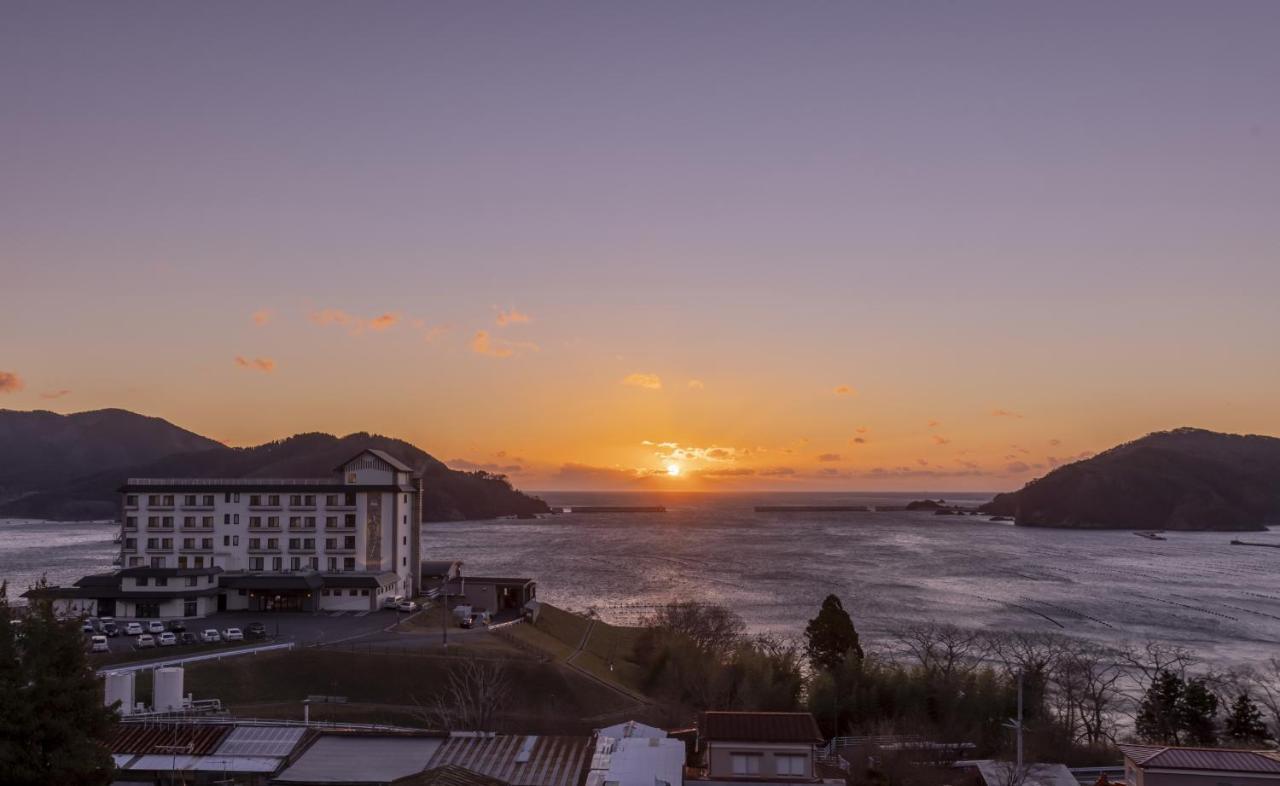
[(802, 245)]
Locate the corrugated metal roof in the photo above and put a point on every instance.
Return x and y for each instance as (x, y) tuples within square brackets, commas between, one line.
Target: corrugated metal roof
[(148, 738), (759, 727), (1211, 759), (546, 760), (361, 758), (448, 775), (261, 741)]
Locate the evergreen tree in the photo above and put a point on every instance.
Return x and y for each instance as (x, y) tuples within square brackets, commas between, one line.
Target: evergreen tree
[(1244, 724), (1197, 714), (1159, 714), (830, 636), (52, 722)]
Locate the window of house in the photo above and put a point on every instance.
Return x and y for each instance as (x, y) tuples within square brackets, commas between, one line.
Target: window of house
[(295, 563), (189, 608), (182, 562), (255, 500), (157, 562), (142, 581), (200, 562), (745, 763), (208, 501), (226, 540), (235, 540), (349, 563), (277, 563), (273, 543), (161, 581), (790, 764), (235, 519), (189, 500), (206, 543), (192, 581), (208, 521), (188, 521), (273, 499), (255, 563), (226, 518)]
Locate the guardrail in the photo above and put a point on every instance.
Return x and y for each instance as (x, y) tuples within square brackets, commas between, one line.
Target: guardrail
[(215, 655)]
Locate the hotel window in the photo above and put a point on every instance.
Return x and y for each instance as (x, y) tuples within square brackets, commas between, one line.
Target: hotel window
[(309, 500), (168, 522), (790, 764), (273, 500), (276, 563), (295, 563), (309, 522), (131, 522), (200, 562), (273, 521), (189, 500), (295, 543), (130, 544), (235, 519), (295, 500), (153, 521), (333, 564), (188, 521), (135, 562), (308, 543), (745, 763), (227, 497), (157, 562), (166, 543), (313, 563), (235, 540), (255, 500), (295, 521), (161, 581), (273, 543), (188, 543), (189, 608), (182, 562), (349, 542), (142, 581), (255, 543), (255, 521), (330, 499), (206, 543), (153, 543), (349, 520), (349, 563), (168, 500), (226, 540), (192, 581), (131, 500), (330, 522), (153, 499), (226, 518), (208, 521), (350, 498), (330, 543), (352, 592), (255, 563)]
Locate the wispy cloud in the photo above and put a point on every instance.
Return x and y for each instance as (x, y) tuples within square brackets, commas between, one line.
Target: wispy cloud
[(858, 441), (934, 424), (50, 394), (668, 451), (512, 317), (10, 382), (1055, 442), (643, 380), (696, 384), (265, 365), (384, 321), (262, 316), (484, 343), (353, 323), (1017, 467), (829, 457), (938, 439), (1004, 413), (845, 390)]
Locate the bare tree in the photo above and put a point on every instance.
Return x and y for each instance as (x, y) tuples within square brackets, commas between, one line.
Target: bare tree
[(941, 649), (474, 694), (712, 628), (1088, 681), (1264, 684)]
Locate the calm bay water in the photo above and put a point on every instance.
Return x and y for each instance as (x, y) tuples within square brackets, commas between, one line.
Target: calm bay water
[(774, 569)]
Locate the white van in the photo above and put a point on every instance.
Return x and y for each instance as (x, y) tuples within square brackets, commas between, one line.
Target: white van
[(98, 644)]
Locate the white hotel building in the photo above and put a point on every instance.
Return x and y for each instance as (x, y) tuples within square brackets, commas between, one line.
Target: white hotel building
[(192, 546)]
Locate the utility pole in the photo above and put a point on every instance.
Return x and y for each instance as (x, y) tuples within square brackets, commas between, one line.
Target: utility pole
[(1017, 775), (444, 609)]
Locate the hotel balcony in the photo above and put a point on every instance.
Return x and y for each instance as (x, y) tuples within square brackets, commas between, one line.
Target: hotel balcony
[(196, 549), (160, 527), (340, 550), (264, 549), (264, 527), (197, 527), (301, 549), (302, 527), (340, 526)]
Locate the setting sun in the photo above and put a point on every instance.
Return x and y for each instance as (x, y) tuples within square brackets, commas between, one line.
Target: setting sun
[(673, 470)]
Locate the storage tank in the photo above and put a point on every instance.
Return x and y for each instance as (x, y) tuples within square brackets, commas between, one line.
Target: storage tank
[(167, 689), (119, 688)]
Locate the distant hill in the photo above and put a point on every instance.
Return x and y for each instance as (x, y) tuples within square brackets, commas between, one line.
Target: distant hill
[(70, 479), (1185, 479)]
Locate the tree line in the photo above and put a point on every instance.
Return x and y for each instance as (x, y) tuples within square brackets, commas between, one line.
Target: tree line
[(950, 684)]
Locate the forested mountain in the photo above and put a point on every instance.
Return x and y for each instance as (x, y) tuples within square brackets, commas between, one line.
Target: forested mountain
[(47, 472)]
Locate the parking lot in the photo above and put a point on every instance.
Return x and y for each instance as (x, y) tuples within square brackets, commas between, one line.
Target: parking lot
[(301, 628)]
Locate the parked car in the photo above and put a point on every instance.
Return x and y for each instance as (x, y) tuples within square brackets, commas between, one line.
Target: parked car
[(145, 641), (133, 629), (98, 644), (110, 629), (187, 638), (210, 636), (408, 606), (467, 621), (167, 639), (155, 626), (255, 630), (177, 626), (393, 603), (87, 626), (233, 634)]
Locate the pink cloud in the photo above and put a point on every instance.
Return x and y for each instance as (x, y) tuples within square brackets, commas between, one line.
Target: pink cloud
[(50, 394), (1004, 413), (262, 316), (265, 365), (482, 344), (845, 390), (938, 439), (829, 457), (384, 321), (10, 382), (696, 384), (512, 317)]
